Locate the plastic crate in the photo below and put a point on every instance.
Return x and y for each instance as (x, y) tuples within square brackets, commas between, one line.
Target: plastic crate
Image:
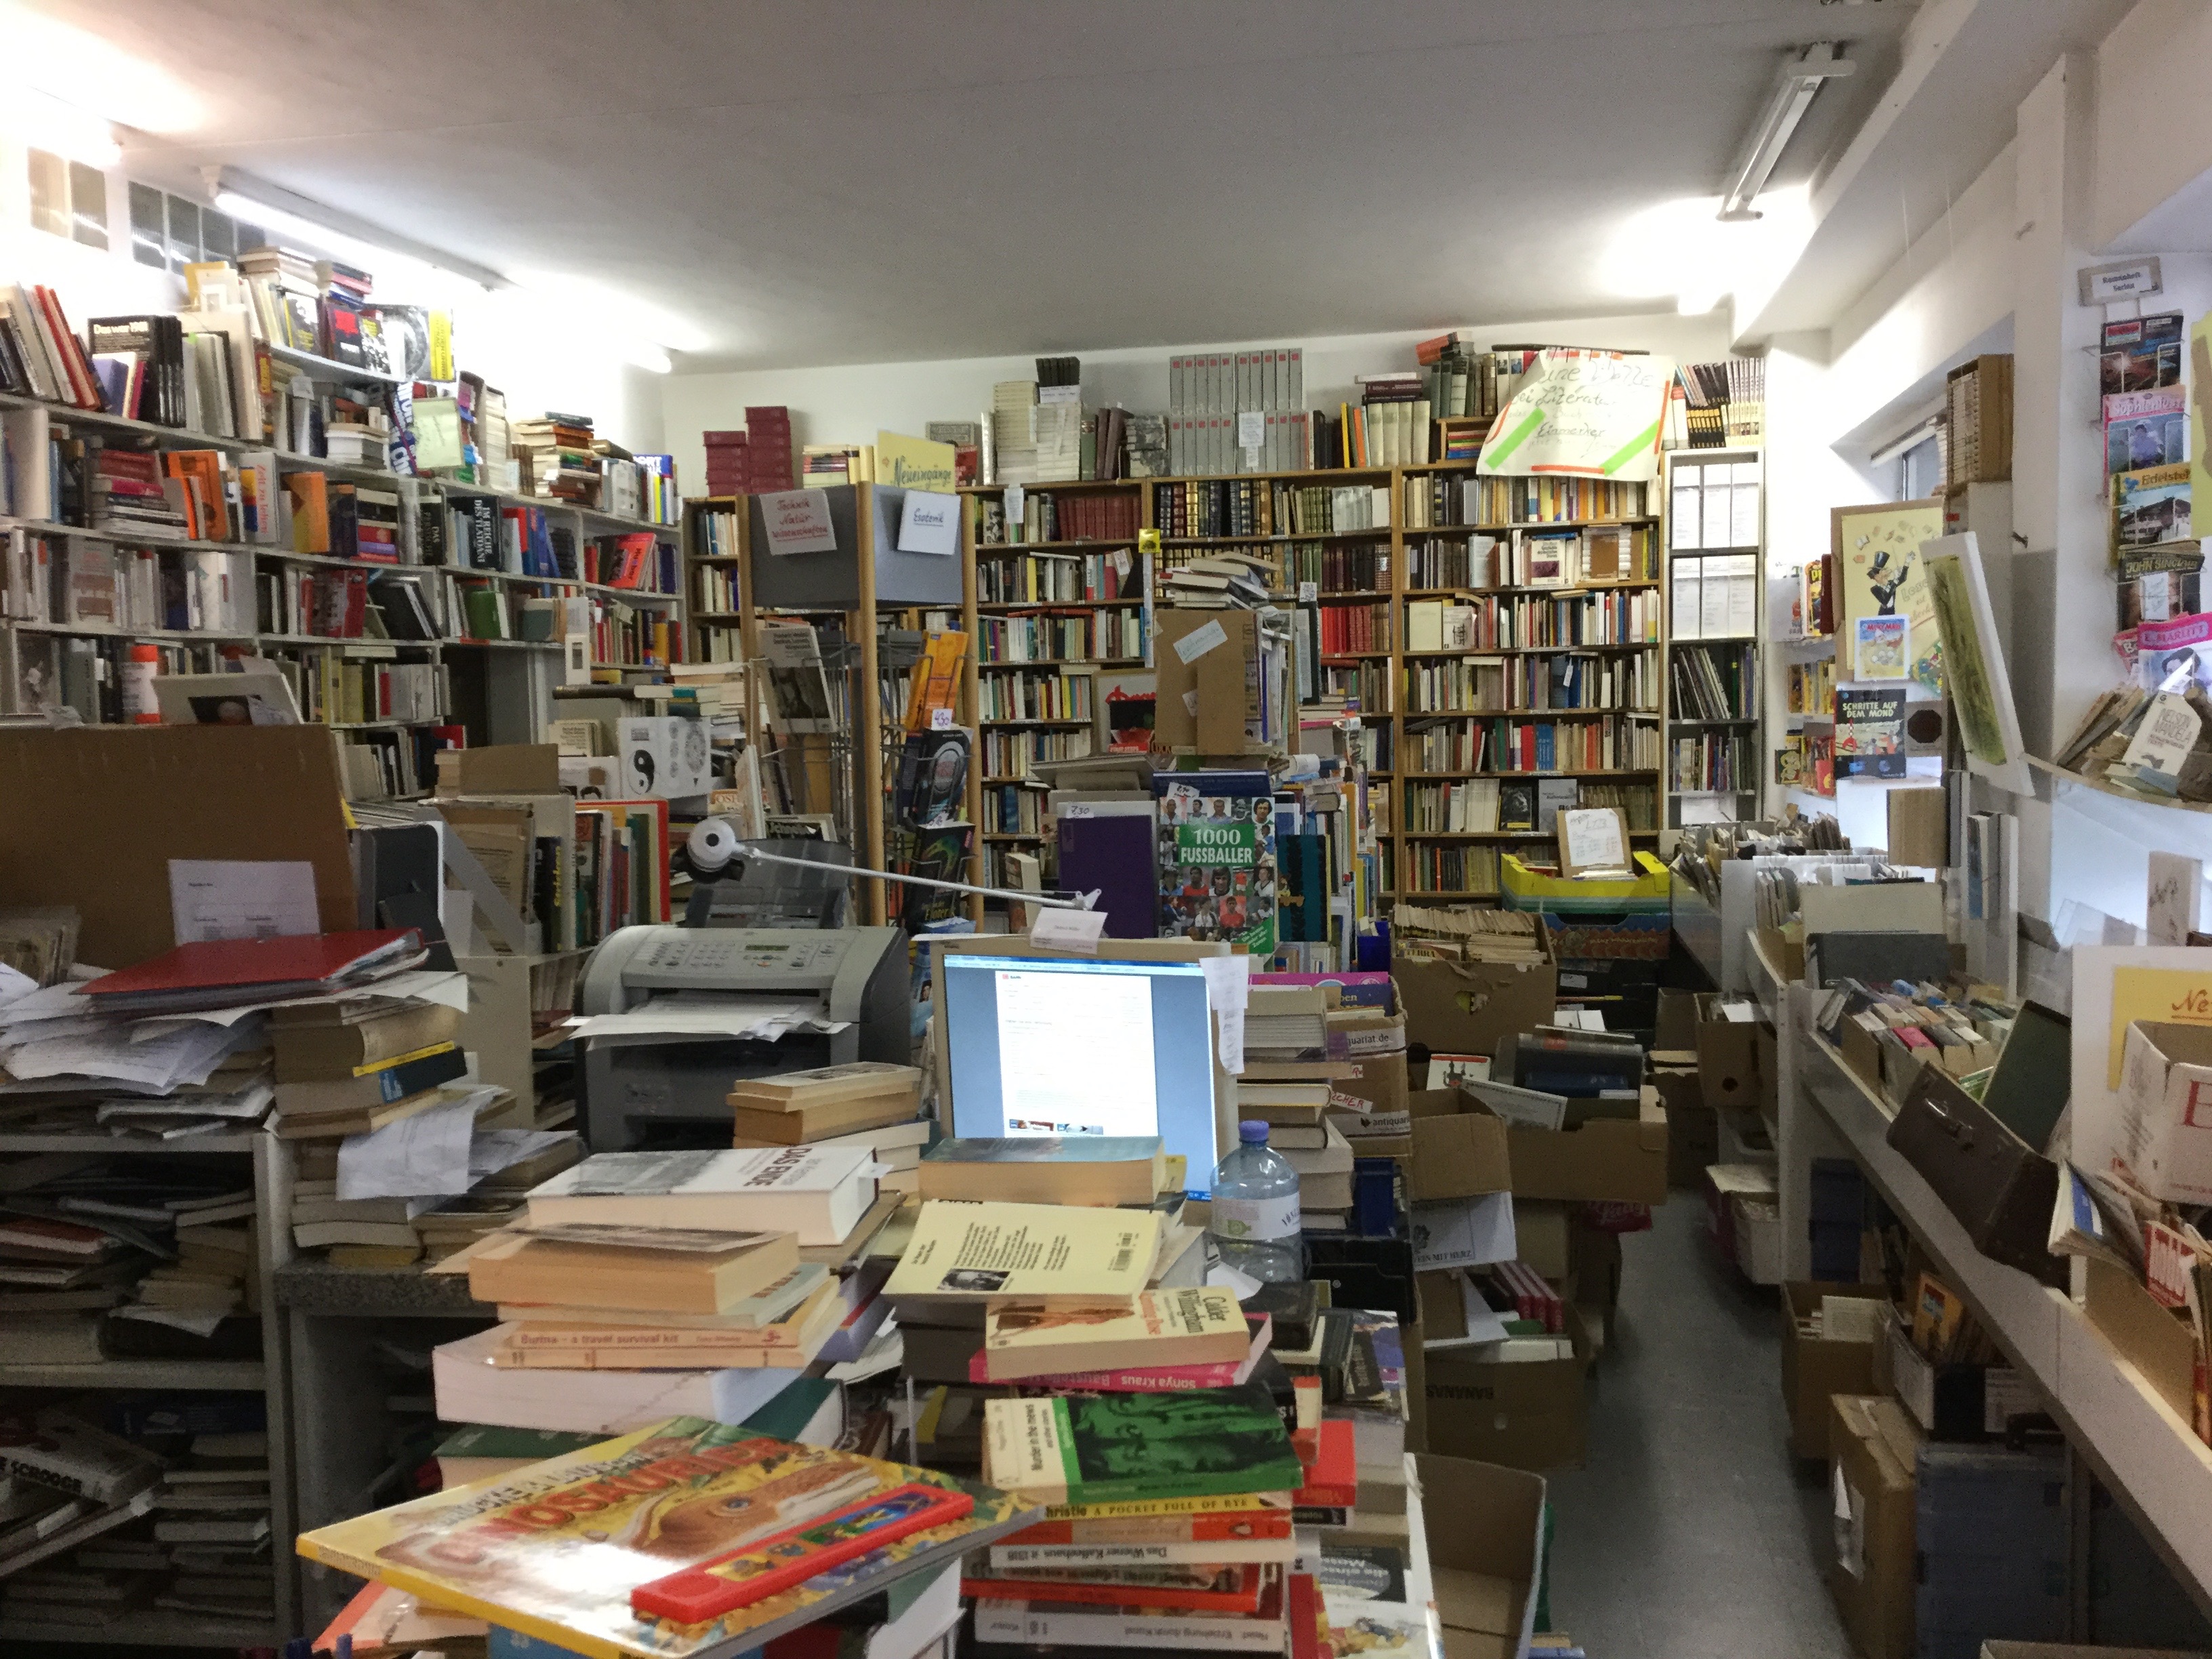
[(1524, 887)]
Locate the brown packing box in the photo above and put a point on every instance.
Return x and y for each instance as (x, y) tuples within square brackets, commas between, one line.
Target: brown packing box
[(1871, 1478), (2152, 1337), (1381, 1083), (1785, 950), (1471, 1007), (505, 769), (1600, 1158), (1919, 829), (1594, 1262), (1768, 1094), (1203, 703), (1442, 1305), (1539, 1232), (1694, 1134), (1728, 1057), (1453, 1153), (1529, 1414), (1676, 1027), (1483, 1524), (69, 798), (1815, 1369)]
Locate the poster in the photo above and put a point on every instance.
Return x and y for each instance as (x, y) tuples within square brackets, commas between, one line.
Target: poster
[(1582, 415), (1217, 854), (1974, 662), (1879, 559), (1870, 734)]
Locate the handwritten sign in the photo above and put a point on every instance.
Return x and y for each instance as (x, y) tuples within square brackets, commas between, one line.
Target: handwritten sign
[(913, 464), (929, 522), (1582, 414), (797, 522)]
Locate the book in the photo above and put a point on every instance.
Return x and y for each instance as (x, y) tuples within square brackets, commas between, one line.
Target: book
[(222, 972), (340, 1047), (1055, 1255), (475, 1450), (1188, 1326), (826, 1085), (791, 1342), (818, 1192), (1102, 1630), (469, 1386), (629, 1273), (677, 1496), (381, 1083), (778, 1125), (552, 1322), (1196, 1586), (54, 1448), (1076, 1169), (1117, 1447)]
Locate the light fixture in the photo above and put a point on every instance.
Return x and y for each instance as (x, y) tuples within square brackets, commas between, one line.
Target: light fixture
[(45, 122), (1801, 79), (274, 208)]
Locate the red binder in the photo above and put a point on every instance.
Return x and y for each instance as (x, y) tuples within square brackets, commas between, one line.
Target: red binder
[(250, 964)]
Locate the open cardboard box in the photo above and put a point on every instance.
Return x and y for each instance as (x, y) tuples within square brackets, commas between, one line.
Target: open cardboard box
[(1816, 1369), (1622, 1159), (1528, 1414), (1483, 1525), (1471, 1007)]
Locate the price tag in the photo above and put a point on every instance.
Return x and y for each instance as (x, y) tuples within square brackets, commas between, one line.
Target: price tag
[(1309, 593), (1120, 556), (1251, 429), (940, 719), (1068, 930)]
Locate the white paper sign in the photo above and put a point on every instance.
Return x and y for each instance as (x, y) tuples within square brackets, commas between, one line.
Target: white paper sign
[(242, 898), (1251, 428), (940, 719), (1195, 644), (1068, 930), (1594, 839), (1463, 1232), (1583, 414), (929, 522), (1228, 993), (1014, 513), (797, 522), (2176, 884), (1309, 593), (1120, 557)]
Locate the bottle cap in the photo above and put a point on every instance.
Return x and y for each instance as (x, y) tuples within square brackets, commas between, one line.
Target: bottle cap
[(1252, 1132)]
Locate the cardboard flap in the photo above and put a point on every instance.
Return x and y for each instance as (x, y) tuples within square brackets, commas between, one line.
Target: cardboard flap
[(1478, 1601), (2149, 1336), (1651, 1121), (1458, 1156)]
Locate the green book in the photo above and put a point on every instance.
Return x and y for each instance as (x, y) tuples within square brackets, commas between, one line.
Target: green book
[(1126, 1447), (786, 1417)]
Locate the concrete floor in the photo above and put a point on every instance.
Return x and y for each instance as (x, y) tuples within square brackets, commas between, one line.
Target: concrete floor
[(1690, 1532)]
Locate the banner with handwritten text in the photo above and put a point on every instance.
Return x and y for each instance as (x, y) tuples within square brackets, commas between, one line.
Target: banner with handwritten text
[(1582, 414)]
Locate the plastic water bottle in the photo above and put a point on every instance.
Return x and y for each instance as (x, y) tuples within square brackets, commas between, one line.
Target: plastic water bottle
[(1255, 1210)]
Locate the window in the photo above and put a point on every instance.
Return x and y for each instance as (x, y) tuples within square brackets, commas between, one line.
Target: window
[(1920, 469), (169, 232), (68, 198)]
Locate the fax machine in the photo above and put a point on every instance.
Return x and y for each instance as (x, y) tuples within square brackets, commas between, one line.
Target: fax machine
[(680, 1083)]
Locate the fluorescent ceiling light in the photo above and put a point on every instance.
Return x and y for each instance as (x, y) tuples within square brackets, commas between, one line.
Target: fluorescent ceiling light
[(45, 122), (1801, 79), (275, 208)]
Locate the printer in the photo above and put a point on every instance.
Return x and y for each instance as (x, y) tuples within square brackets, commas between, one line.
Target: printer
[(672, 1087)]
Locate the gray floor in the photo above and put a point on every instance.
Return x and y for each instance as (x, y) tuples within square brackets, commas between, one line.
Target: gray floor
[(1690, 1533)]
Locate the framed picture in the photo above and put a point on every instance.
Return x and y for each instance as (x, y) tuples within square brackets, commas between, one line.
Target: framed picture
[(259, 696), (1981, 691), (1885, 583)]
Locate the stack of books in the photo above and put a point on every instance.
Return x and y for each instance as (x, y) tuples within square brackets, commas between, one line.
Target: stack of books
[(639, 1282), (287, 297), (728, 471), (349, 334), (1167, 1523), (1220, 581), (557, 457), (64, 1481), (128, 492)]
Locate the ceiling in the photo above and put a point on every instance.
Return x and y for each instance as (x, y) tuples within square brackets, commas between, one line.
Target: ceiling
[(821, 183)]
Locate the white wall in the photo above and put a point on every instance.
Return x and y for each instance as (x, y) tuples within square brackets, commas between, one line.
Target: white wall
[(850, 402), (2154, 130)]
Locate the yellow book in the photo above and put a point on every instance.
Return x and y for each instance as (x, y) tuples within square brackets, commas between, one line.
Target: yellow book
[(1042, 1253), (1194, 1326), (556, 1549)]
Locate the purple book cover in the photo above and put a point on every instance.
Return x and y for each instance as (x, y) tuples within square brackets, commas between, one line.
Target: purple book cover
[(1114, 854)]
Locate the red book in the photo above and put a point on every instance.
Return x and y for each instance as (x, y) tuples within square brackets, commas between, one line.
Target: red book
[(1233, 1590), (239, 967), (1333, 1476)]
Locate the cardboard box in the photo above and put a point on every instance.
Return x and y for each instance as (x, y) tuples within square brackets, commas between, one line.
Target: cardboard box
[(1380, 1090), (1816, 1369), (1456, 1154), (1600, 1158), (1594, 1264), (503, 768), (1759, 1239), (1205, 701), (2151, 1336), (1530, 1414), (1483, 1524), (1728, 1057), (1877, 1448), (1785, 950), (1541, 1235), (1951, 1401), (1767, 1091), (92, 816), (1471, 1007), (2166, 1111), (1676, 1026)]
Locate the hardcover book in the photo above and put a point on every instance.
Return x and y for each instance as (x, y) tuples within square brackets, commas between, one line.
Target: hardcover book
[(1120, 1447), (559, 1550), (1217, 858), (1081, 1169)]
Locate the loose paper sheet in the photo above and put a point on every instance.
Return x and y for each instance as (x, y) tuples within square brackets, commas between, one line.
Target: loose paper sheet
[(1228, 993), (1593, 840), (1464, 1232), (424, 1156), (242, 898)]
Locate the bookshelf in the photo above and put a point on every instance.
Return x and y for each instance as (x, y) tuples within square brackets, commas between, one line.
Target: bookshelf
[(77, 596), (1716, 754)]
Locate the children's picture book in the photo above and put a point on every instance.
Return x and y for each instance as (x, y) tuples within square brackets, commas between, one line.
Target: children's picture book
[(1123, 1448), (556, 1550), (1218, 875), (1881, 647), (2151, 506), (1870, 734), (2146, 428)]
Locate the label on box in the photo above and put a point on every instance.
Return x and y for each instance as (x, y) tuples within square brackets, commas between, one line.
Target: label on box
[(1068, 930), (1253, 1219), (1196, 643)]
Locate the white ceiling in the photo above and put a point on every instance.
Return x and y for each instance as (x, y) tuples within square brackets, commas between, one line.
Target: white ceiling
[(821, 183)]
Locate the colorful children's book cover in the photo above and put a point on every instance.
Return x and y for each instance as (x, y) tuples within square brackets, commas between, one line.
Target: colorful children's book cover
[(556, 1549), (1870, 734), (1219, 876), (1885, 584)]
